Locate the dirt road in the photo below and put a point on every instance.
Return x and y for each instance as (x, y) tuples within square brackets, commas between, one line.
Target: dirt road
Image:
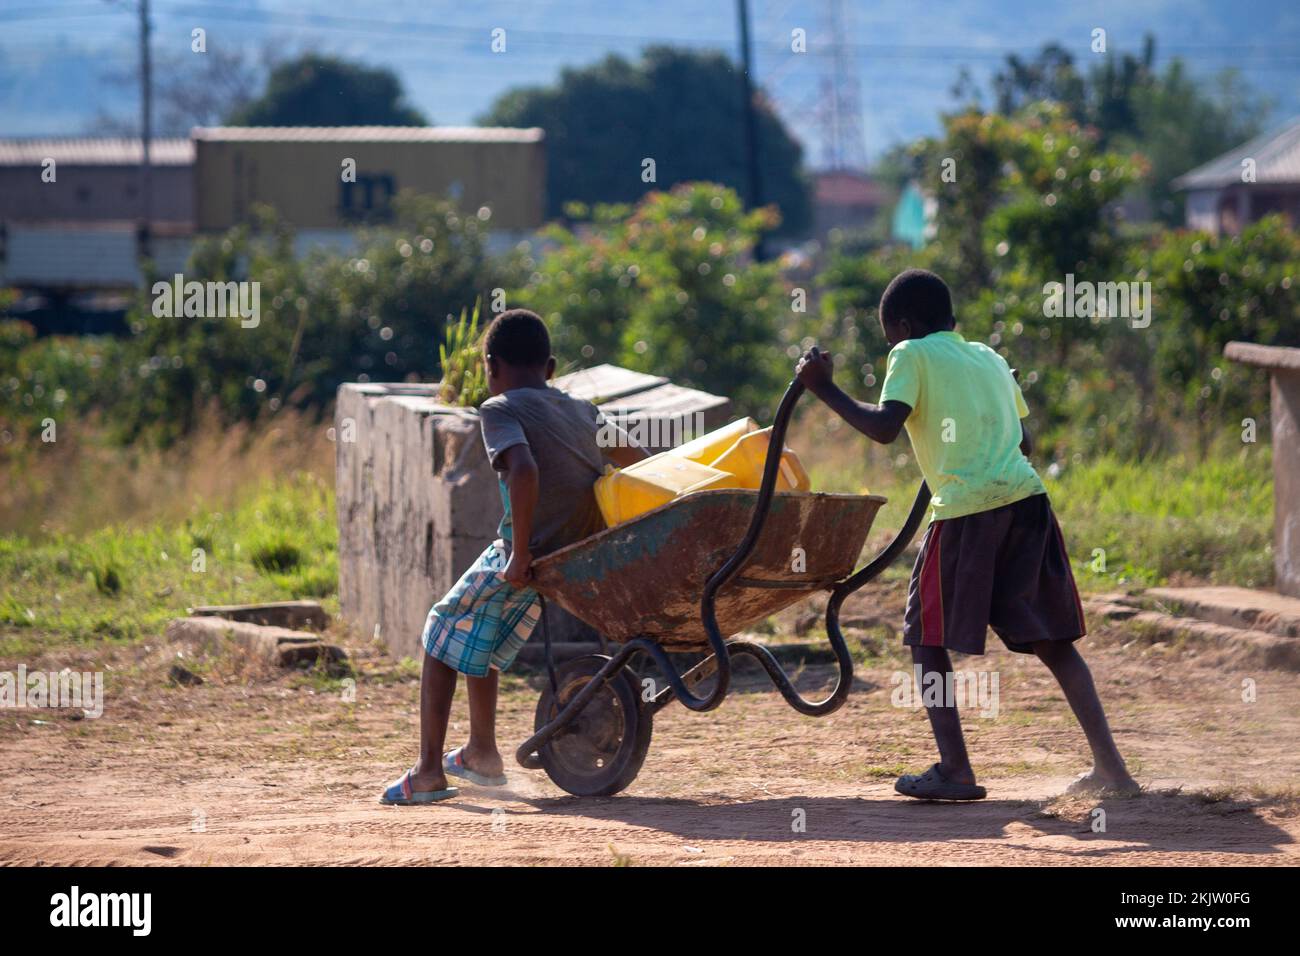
[(252, 768)]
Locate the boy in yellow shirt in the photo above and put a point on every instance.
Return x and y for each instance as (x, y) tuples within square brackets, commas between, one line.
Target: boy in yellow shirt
[(993, 554)]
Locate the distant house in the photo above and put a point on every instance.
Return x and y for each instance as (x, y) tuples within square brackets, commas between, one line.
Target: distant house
[(844, 201), (79, 230), (499, 173), (913, 221), (70, 210), (1245, 184)]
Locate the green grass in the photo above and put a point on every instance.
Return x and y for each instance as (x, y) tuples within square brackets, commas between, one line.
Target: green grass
[(122, 584), (1208, 520), (1155, 521)]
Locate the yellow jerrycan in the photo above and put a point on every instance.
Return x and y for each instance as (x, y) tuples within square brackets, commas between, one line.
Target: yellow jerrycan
[(707, 448), (746, 457), (625, 493)]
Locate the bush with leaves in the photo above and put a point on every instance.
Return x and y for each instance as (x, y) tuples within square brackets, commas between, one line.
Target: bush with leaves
[(376, 313), (69, 380), (670, 287), (464, 373), (1209, 292)]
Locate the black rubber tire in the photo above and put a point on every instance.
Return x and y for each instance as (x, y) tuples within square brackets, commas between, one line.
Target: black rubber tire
[(626, 729)]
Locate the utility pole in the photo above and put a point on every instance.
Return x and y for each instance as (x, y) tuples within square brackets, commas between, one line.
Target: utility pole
[(754, 183), (146, 130)]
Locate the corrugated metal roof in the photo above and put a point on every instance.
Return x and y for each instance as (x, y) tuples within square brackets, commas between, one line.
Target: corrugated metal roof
[(1276, 156), (97, 151), (366, 134)]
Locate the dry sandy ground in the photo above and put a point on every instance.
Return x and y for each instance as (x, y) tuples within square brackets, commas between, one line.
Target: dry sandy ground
[(258, 769)]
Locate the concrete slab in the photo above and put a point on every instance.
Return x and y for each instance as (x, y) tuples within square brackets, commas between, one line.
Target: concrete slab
[(295, 615), (667, 415), (1236, 645), (277, 646), (1234, 607), (600, 383)]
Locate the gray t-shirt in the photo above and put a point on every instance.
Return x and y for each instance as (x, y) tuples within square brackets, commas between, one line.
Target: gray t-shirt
[(560, 431)]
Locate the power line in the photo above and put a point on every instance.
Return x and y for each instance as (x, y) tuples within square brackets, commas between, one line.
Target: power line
[(833, 47)]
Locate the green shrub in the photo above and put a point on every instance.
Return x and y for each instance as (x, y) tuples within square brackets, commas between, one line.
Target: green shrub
[(14, 614), (277, 554), (464, 376), (107, 580)]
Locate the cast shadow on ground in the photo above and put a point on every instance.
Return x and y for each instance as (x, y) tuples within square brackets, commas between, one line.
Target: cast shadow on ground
[(1165, 821)]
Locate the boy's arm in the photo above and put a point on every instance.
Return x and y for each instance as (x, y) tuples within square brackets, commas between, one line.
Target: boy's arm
[(521, 485), (880, 423)]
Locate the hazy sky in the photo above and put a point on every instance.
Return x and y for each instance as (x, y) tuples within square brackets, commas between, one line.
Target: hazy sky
[(58, 57)]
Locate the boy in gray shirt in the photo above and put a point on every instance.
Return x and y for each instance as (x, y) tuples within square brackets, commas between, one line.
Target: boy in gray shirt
[(543, 444)]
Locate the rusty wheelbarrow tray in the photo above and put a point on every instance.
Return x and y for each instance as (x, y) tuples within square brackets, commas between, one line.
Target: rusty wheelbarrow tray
[(683, 578), (645, 578)]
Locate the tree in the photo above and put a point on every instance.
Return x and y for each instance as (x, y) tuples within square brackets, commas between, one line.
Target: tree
[(669, 287), (679, 108), (1178, 122), (964, 172), (316, 90), (848, 321), (1048, 76), (204, 90), (190, 89), (1184, 123)]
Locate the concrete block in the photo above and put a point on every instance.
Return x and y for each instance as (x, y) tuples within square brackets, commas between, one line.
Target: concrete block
[(417, 501), (1283, 365)]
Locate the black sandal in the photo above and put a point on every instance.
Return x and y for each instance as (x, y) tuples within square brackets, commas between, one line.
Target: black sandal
[(933, 785)]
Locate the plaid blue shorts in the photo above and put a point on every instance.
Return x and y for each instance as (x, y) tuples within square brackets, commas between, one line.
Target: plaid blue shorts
[(482, 621)]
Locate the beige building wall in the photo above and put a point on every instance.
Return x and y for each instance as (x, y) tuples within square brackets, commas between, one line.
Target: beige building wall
[(303, 181)]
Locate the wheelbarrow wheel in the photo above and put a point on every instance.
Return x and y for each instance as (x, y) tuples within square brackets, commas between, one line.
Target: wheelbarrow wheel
[(601, 750)]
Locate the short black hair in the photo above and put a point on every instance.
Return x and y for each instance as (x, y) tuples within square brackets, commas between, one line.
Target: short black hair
[(518, 337), (920, 297)]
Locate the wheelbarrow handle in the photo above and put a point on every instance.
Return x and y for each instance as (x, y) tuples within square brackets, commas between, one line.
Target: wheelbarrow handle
[(730, 567), (844, 659), (766, 489)]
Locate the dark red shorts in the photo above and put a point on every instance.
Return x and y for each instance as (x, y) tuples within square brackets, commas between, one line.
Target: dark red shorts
[(1006, 569)]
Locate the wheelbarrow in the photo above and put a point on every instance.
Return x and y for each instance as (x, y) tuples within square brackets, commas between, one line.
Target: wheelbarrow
[(681, 578)]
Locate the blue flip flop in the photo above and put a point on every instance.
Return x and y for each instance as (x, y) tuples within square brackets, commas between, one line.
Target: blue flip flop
[(453, 762), (401, 794)]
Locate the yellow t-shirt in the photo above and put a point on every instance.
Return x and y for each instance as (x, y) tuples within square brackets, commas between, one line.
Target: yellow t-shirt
[(965, 422)]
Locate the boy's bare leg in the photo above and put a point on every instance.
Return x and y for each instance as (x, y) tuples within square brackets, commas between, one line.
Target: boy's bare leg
[(1072, 673), (480, 753), (437, 685), (944, 720)]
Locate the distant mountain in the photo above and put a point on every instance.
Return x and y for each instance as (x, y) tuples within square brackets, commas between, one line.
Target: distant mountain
[(67, 66)]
